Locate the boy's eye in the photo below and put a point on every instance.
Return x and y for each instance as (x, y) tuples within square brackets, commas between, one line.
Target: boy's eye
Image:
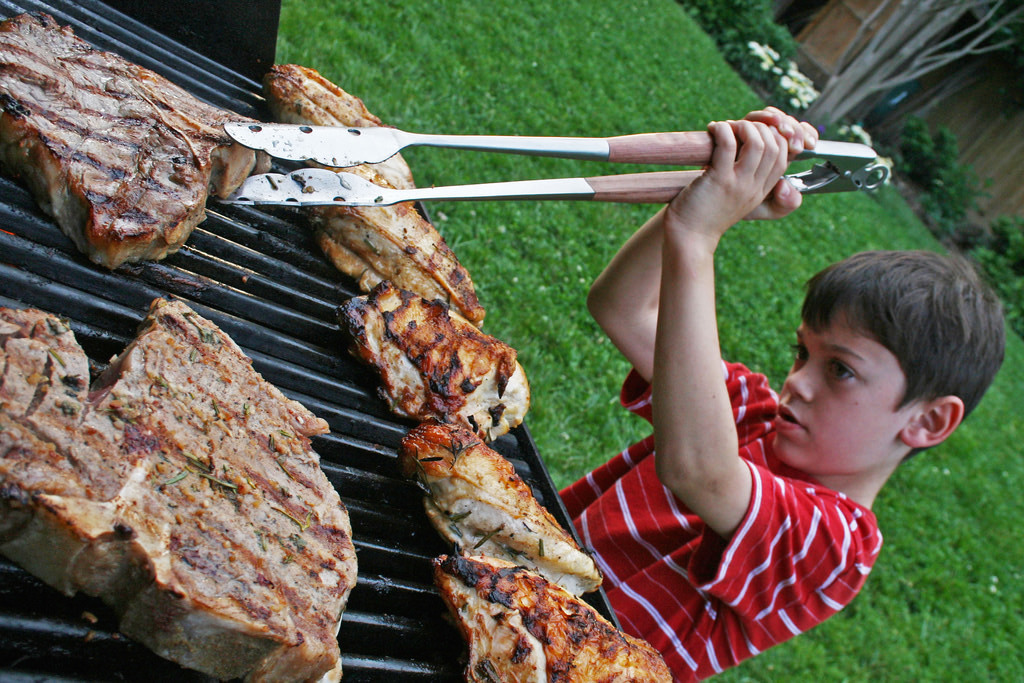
[(841, 370), (799, 352)]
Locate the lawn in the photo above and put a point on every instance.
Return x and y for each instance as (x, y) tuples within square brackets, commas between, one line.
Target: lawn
[(945, 599)]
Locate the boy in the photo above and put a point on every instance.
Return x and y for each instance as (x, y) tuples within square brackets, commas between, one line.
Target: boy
[(752, 521)]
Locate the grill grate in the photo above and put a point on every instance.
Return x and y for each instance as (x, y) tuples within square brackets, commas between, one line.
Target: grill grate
[(261, 278)]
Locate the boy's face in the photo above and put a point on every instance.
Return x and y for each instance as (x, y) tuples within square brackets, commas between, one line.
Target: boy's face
[(838, 419)]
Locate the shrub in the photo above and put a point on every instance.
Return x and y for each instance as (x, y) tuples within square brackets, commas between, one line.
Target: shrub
[(760, 50), (917, 152), (951, 189), (1002, 259)]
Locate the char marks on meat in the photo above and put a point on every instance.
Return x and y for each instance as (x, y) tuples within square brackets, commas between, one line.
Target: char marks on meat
[(520, 627), (434, 364), (372, 244), (181, 488), (119, 156), (477, 501)]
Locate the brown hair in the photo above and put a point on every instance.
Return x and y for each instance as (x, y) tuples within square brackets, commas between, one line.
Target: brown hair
[(933, 312)]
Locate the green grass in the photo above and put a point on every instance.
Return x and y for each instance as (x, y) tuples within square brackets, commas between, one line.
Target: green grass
[(945, 599)]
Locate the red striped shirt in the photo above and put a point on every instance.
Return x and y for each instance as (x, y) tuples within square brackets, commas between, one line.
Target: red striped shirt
[(800, 554)]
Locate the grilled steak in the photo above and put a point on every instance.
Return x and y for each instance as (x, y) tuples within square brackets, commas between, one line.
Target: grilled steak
[(120, 157), (435, 364), (372, 244), (181, 488), (520, 627), (477, 501)]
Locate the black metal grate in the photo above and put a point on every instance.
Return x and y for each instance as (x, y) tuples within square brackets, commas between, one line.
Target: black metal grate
[(261, 278)]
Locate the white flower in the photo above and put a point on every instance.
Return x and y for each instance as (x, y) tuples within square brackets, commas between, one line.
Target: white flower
[(791, 80), (765, 54), (857, 132)]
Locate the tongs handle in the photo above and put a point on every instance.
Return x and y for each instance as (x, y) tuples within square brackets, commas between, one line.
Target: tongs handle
[(690, 148), (657, 187)]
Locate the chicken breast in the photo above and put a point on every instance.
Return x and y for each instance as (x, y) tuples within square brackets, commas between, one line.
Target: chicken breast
[(300, 95), (180, 488), (521, 628), (120, 157), (372, 244), (476, 500), (434, 364)]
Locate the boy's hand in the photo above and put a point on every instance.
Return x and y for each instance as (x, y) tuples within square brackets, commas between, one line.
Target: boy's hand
[(747, 164), (799, 136)]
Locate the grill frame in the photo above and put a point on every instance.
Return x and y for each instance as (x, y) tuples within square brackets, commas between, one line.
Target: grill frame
[(261, 278)]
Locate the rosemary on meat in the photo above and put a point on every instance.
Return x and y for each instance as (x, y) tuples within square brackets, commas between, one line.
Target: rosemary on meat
[(176, 478), (302, 525), (371, 246), (455, 447), (487, 537), (280, 463), (218, 480), (56, 326), (298, 542), (197, 462), (206, 336)]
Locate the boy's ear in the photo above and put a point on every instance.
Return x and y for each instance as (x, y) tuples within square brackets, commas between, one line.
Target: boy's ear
[(933, 421)]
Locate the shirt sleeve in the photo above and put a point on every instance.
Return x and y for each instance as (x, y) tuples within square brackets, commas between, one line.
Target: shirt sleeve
[(800, 554)]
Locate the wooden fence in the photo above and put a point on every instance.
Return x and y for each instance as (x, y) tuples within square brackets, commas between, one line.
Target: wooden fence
[(983, 112)]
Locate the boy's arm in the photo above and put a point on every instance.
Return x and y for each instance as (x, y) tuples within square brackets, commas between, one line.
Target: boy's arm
[(695, 435), (624, 298)]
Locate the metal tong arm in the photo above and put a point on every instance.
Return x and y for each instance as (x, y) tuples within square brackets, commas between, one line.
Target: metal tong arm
[(326, 187), (339, 146)]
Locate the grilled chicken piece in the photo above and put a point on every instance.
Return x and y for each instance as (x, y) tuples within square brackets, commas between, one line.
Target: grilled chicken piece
[(432, 363), (477, 501), (120, 157), (372, 244), (181, 489), (300, 95), (522, 628)]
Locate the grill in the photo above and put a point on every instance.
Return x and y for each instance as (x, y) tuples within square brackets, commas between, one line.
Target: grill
[(262, 279)]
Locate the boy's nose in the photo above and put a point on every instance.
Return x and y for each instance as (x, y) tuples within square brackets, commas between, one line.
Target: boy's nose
[(798, 384)]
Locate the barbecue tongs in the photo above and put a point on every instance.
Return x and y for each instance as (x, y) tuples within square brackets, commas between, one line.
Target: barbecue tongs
[(844, 166)]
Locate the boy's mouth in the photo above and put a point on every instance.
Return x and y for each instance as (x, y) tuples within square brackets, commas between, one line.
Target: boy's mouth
[(787, 415)]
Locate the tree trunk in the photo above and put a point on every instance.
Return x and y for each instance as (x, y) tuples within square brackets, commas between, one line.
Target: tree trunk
[(914, 40)]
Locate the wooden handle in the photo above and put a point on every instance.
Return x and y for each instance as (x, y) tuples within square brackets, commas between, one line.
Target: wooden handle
[(641, 188), (677, 149)]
